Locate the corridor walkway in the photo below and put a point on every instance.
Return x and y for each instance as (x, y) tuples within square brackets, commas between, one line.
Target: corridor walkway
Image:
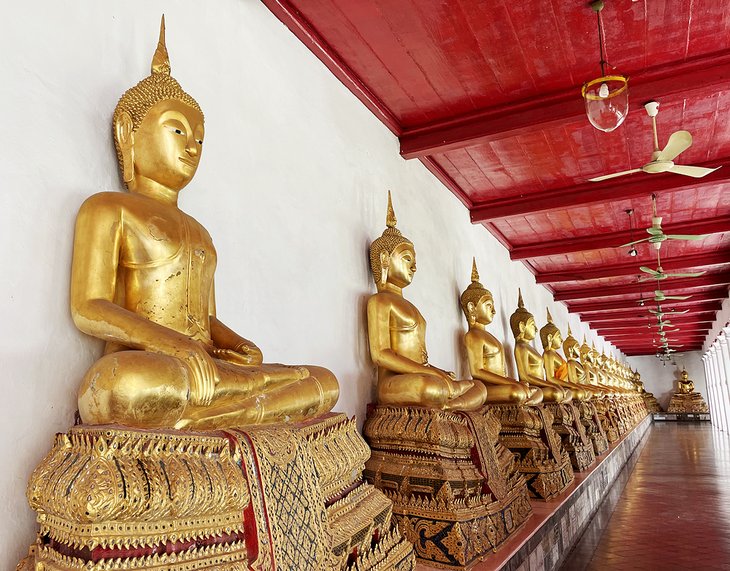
[(674, 512)]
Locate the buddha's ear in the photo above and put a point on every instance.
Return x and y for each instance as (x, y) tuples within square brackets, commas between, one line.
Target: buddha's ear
[(522, 326), (470, 307), (384, 263), (124, 135)]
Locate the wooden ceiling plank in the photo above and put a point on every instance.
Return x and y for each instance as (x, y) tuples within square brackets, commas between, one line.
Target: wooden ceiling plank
[(632, 186), (615, 239), (667, 285), (631, 268), (710, 300), (555, 109)]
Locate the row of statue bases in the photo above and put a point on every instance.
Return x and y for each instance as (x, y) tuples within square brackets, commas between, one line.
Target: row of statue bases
[(182, 459)]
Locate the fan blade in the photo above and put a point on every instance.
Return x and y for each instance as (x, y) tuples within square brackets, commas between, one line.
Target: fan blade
[(686, 275), (687, 236), (688, 170), (649, 271), (678, 142), (675, 312), (677, 296), (614, 175), (632, 243)]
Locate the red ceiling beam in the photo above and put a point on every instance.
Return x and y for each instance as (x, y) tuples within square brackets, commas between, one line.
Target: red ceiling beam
[(633, 186), (524, 117), (629, 317), (601, 307), (615, 239), (630, 327), (666, 285), (632, 268), (640, 334)]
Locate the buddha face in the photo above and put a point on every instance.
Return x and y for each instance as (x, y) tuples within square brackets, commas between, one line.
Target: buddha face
[(484, 311), (168, 144), (402, 265), (557, 340), (528, 329)]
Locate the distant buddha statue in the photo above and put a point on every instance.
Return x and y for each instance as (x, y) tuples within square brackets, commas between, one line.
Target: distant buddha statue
[(576, 370), (485, 353), (142, 280), (685, 385), (556, 367), (397, 334), (529, 361)]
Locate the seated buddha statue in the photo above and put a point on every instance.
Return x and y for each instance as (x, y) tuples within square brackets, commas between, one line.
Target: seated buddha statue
[(142, 281), (685, 385), (529, 362), (397, 334), (576, 370), (485, 353), (587, 359), (556, 367)]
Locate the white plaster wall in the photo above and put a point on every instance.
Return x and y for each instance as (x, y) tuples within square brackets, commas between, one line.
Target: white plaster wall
[(292, 187), (661, 379)]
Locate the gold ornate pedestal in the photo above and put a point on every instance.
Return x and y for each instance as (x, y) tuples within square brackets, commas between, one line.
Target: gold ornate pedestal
[(528, 432), (277, 497), (573, 435), (608, 419), (594, 429), (456, 492), (690, 402), (652, 405)]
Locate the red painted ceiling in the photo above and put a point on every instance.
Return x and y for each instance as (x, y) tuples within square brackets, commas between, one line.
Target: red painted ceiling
[(487, 96)]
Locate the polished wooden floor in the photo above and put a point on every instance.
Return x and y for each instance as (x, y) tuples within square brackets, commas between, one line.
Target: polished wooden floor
[(672, 512)]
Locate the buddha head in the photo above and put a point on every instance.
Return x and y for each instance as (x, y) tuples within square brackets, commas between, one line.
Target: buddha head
[(522, 322), (392, 255), (158, 129), (550, 334), (586, 355), (571, 347), (684, 374), (477, 302)]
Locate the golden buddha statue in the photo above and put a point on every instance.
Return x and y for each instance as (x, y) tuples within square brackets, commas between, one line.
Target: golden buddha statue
[(576, 370), (397, 334), (556, 367), (686, 399), (685, 385), (529, 361), (142, 280), (485, 353)]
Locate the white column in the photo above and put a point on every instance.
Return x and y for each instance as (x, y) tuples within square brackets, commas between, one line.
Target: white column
[(711, 392), (722, 382), (723, 355), (714, 373)]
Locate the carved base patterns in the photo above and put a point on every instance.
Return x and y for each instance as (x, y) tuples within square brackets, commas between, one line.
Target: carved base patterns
[(457, 494), (264, 498), (593, 427), (568, 425), (607, 420), (692, 402), (528, 432)]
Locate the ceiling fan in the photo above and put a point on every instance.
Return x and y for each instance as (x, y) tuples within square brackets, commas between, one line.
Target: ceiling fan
[(659, 311), (662, 160), (659, 274), (657, 235), (659, 296)]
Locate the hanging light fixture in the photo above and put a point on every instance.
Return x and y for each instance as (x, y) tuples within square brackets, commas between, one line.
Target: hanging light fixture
[(606, 97), (632, 251)]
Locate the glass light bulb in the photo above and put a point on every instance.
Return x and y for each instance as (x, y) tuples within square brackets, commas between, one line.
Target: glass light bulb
[(603, 91)]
